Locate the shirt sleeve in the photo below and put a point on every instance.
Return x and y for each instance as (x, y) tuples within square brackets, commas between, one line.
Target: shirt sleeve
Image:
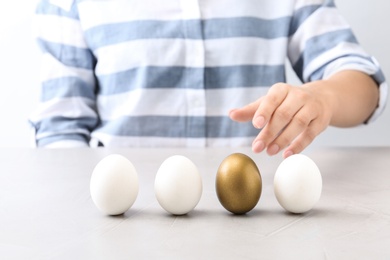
[(322, 44), (66, 113)]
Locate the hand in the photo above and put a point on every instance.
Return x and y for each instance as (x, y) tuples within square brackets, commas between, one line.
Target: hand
[(289, 117)]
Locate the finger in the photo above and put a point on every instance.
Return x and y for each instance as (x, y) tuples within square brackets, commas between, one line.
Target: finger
[(280, 119), (245, 113), (304, 139), (298, 124), (271, 101)]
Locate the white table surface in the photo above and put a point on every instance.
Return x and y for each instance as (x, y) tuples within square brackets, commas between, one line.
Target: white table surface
[(46, 211)]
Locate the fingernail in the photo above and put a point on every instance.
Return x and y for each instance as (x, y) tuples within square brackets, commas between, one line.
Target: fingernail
[(259, 122), (258, 146), (287, 153), (274, 149)]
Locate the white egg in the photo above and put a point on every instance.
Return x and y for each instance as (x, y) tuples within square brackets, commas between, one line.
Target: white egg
[(178, 185), (114, 184), (298, 184)]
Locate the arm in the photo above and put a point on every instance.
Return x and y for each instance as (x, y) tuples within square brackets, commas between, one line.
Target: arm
[(354, 97), (293, 116), (342, 84), (66, 113)]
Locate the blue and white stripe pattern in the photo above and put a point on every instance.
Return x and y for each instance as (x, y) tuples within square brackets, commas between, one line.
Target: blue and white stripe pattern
[(166, 73)]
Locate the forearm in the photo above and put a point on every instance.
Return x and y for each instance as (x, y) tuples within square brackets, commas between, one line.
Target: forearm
[(352, 95), (67, 111)]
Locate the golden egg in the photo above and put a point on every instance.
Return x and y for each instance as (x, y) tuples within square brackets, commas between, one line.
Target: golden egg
[(238, 183)]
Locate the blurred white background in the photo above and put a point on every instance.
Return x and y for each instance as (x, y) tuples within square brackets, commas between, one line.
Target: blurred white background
[(19, 71)]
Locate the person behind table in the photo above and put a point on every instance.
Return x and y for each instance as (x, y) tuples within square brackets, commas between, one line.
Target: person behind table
[(199, 73)]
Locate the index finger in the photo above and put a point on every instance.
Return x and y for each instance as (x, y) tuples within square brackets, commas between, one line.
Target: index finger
[(245, 113)]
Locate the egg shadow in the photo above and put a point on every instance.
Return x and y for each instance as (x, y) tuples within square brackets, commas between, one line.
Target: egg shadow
[(121, 216), (316, 212), (255, 213), (190, 215)]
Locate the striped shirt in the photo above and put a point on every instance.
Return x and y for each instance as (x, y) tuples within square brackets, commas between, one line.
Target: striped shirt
[(166, 73)]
